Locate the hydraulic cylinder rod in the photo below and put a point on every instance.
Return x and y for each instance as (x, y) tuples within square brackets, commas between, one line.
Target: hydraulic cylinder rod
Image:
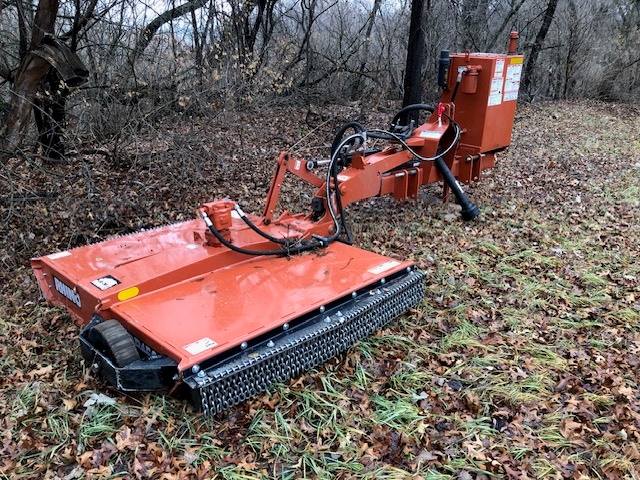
[(469, 209)]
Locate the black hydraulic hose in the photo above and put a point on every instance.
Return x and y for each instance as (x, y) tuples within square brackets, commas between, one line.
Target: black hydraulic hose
[(337, 140), (289, 249), (327, 182), (263, 234), (282, 251), (411, 108), (458, 81), (469, 210), (330, 172), (341, 211), (455, 92), (383, 136)]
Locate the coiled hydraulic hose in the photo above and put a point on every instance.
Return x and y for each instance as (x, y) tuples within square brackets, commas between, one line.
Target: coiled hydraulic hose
[(337, 140), (330, 173), (469, 209), (263, 234), (288, 248), (411, 108)]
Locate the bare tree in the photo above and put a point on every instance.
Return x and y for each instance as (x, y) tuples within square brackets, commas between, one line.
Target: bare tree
[(415, 53), (152, 27), (532, 57), (31, 72)]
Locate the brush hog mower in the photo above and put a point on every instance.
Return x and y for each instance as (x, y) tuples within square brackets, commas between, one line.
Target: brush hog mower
[(225, 305)]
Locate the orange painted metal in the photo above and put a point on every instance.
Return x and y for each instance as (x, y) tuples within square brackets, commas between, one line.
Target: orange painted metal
[(487, 111), (225, 307)]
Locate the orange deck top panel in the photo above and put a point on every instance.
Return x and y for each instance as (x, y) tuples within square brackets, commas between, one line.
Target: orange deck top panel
[(146, 260), (194, 320)]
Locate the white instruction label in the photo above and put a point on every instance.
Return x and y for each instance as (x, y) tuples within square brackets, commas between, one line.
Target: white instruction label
[(495, 95), (104, 283), (200, 346), (512, 82), (383, 267), (430, 134)]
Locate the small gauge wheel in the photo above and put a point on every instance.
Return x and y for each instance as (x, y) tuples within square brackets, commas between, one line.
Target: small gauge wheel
[(111, 338)]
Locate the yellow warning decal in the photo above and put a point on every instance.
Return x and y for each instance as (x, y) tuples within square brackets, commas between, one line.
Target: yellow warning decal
[(516, 60), (128, 293)]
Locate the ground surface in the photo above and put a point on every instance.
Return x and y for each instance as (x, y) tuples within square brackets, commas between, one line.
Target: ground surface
[(522, 361)]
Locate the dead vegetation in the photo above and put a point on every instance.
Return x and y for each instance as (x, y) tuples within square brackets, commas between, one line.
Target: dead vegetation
[(522, 361)]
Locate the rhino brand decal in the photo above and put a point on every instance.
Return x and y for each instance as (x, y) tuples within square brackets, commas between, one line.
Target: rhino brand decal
[(67, 291), (144, 347)]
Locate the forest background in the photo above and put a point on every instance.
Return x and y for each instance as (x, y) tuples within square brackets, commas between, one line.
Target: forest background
[(136, 62)]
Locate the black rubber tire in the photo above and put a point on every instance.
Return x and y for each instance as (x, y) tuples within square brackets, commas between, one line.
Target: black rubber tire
[(111, 338)]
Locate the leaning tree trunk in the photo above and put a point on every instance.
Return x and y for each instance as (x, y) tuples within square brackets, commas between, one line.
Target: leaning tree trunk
[(150, 30), (31, 72), (537, 45)]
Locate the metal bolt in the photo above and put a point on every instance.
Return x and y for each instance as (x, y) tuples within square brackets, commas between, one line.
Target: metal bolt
[(339, 313), (408, 269), (327, 319), (322, 309), (202, 373), (285, 327), (354, 294), (270, 344), (244, 345), (195, 368), (383, 281)]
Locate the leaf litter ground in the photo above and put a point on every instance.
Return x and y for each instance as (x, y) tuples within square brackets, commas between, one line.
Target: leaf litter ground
[(521, 362)]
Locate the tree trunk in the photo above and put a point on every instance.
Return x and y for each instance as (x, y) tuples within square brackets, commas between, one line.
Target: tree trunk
[(49, 112), (537, 45), (30, 73), (415, 55)]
